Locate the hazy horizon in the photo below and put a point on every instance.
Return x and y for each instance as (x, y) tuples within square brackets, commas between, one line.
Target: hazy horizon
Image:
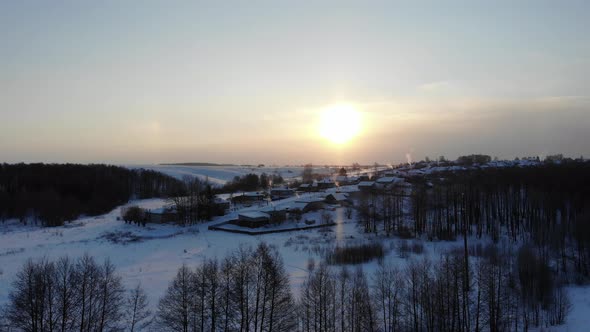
[(247, 83)]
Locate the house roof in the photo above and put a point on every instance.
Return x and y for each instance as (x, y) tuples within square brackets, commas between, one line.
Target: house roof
[(298, 205), (389, 179), (308, 200), (253, 214), (339, 196)]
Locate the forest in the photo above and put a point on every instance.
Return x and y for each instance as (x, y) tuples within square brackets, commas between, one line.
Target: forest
[(51, 194), (249, 290), (546, 206)]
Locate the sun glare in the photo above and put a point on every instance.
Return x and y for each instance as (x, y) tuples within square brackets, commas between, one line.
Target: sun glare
[(340, 123)]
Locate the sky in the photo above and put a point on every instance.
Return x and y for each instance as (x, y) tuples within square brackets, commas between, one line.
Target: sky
[(248, 81)]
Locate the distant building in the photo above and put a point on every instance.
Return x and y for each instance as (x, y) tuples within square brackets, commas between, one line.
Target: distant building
[(366, 185), (309, 187), (306, 187), (248, 198), (388, 182), (253, 219), (338, 198), (363, 177), (276, 214), (310, 204), (325, 184), (221, 206), (343, 180), (281, 193)]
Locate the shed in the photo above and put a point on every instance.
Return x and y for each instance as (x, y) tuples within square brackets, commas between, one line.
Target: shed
[(338, 198), (253, 219)]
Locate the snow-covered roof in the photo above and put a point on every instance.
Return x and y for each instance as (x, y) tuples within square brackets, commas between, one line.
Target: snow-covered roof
[(298, 205), (308, 200), (252, 194), (389, 179), (276, 208), (281, 189), (253, 214), (339, 196)]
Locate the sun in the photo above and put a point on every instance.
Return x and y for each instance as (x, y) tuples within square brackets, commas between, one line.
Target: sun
[(340, 123)]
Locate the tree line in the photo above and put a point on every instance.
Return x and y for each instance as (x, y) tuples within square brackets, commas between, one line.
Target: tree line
[(251, 182), (52, 194), (249, 290), (546, 205)]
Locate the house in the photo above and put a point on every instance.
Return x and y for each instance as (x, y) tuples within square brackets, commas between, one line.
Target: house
[(277, 214), (253, 219), (220, 206), (305, 187), (366, 186), (341, 180), (310, 204), (338, 198), (281, 193), (388, 182), (363, 177), (325, 184), (353, 180), (248, 198)]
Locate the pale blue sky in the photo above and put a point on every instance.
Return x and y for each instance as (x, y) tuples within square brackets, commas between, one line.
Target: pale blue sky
[(161, 81)]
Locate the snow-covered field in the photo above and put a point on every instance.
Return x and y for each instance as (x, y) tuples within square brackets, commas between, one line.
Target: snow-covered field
[(153, 254)]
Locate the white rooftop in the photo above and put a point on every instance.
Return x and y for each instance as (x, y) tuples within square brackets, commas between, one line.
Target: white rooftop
[(254, 214), (389, 179)]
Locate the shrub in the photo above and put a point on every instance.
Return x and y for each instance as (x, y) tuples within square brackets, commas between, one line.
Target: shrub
[(133, 214), (355, 254)]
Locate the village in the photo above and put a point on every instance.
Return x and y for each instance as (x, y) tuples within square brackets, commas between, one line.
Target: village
[(292, 205)]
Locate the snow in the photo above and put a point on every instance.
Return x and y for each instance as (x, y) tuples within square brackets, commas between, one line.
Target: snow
[(154, 259), (254, 215), (389, 179), (162, 249)]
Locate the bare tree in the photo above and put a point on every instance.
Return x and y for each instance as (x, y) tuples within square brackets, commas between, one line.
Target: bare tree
[(111, 298), (137, 313), (30, 305), (65, 293), (174, 309), (63, 296), (387, 292)]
